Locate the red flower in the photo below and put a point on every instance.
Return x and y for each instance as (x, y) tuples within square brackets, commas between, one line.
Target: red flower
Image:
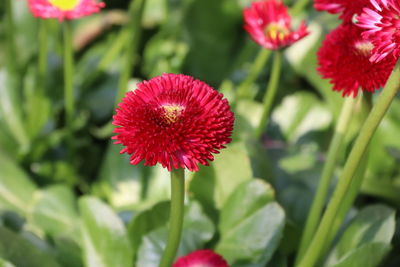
[(173, 120), (206, 258), (63, 9), (382, 28), (346, 8), (269, 24), (344, 58)]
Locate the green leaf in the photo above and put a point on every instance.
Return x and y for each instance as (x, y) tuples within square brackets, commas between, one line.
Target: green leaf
[(16, 189), (21, 252), (4, 263), (254, 238), (373, 224), (197, 230), (119, 180), (105, 242), (146, 221), (253, 195), (213, 184), (367, 255), (55, 212), (301, 113)]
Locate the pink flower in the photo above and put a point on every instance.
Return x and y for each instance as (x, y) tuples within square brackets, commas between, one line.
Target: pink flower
[(204, 258), (269, 24), (346, 8), (344, 59), (173, 120), (382, 28), (64, 9)]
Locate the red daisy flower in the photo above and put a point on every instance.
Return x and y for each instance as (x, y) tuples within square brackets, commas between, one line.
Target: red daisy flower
[(344, 58), (269, 25), (173, 120), (382, 24), (346, 8), (64, 9), (204, 258)]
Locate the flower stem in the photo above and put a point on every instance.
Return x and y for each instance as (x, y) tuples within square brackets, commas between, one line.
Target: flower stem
[(259, 63), (335, 147), (348, 177), (271, 92), (131, 46), (43, 53), (68, 74), (10, 28), (175, 216)]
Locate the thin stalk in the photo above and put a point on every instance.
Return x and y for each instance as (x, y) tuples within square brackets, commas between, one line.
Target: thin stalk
[(314, 251), (10, 27), (68, 74), (256, 68), (43, 54), (131, 46), (175, 216), (335, 147), (355, 185), (271, 92)]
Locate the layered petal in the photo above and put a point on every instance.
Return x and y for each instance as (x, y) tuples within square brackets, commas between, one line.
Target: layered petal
[(344, 59), (204, 258), (173, 120), (64, 9), (269, 25)]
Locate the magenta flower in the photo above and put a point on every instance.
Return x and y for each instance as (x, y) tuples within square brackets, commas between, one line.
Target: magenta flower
[(64, 9), (269, 25), (344, 59), (382, 28), (346, 8), (206, 258), (173, 120)]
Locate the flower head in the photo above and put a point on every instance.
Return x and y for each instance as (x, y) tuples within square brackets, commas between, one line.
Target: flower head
[(269, 24), (382, 28), (344, 59), (201, 258), (64, 9), (174, 120), (346, 8)]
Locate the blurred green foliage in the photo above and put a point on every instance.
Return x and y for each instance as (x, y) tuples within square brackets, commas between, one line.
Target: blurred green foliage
[(90, 207)]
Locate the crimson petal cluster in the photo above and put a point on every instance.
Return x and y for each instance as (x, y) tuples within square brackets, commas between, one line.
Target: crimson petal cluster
[(344, 58), (382, 26), (67, 9), (269, 24), (346, 8), (205, 257), (173, 120)]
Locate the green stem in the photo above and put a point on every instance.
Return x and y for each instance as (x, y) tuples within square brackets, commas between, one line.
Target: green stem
[(131, 46), (43, 53), (68, 74), (11, 52), (271, 92), (175, 216), (335, 148), (314, 251), (256, 68)]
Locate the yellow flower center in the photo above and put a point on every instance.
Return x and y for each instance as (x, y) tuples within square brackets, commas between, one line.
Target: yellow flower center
[(364, 48), (64, 5), (276, 31), (172, 113)]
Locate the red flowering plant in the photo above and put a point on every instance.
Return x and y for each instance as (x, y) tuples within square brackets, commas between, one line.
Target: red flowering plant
[(176, 121), (205, 258), (347, 9)]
